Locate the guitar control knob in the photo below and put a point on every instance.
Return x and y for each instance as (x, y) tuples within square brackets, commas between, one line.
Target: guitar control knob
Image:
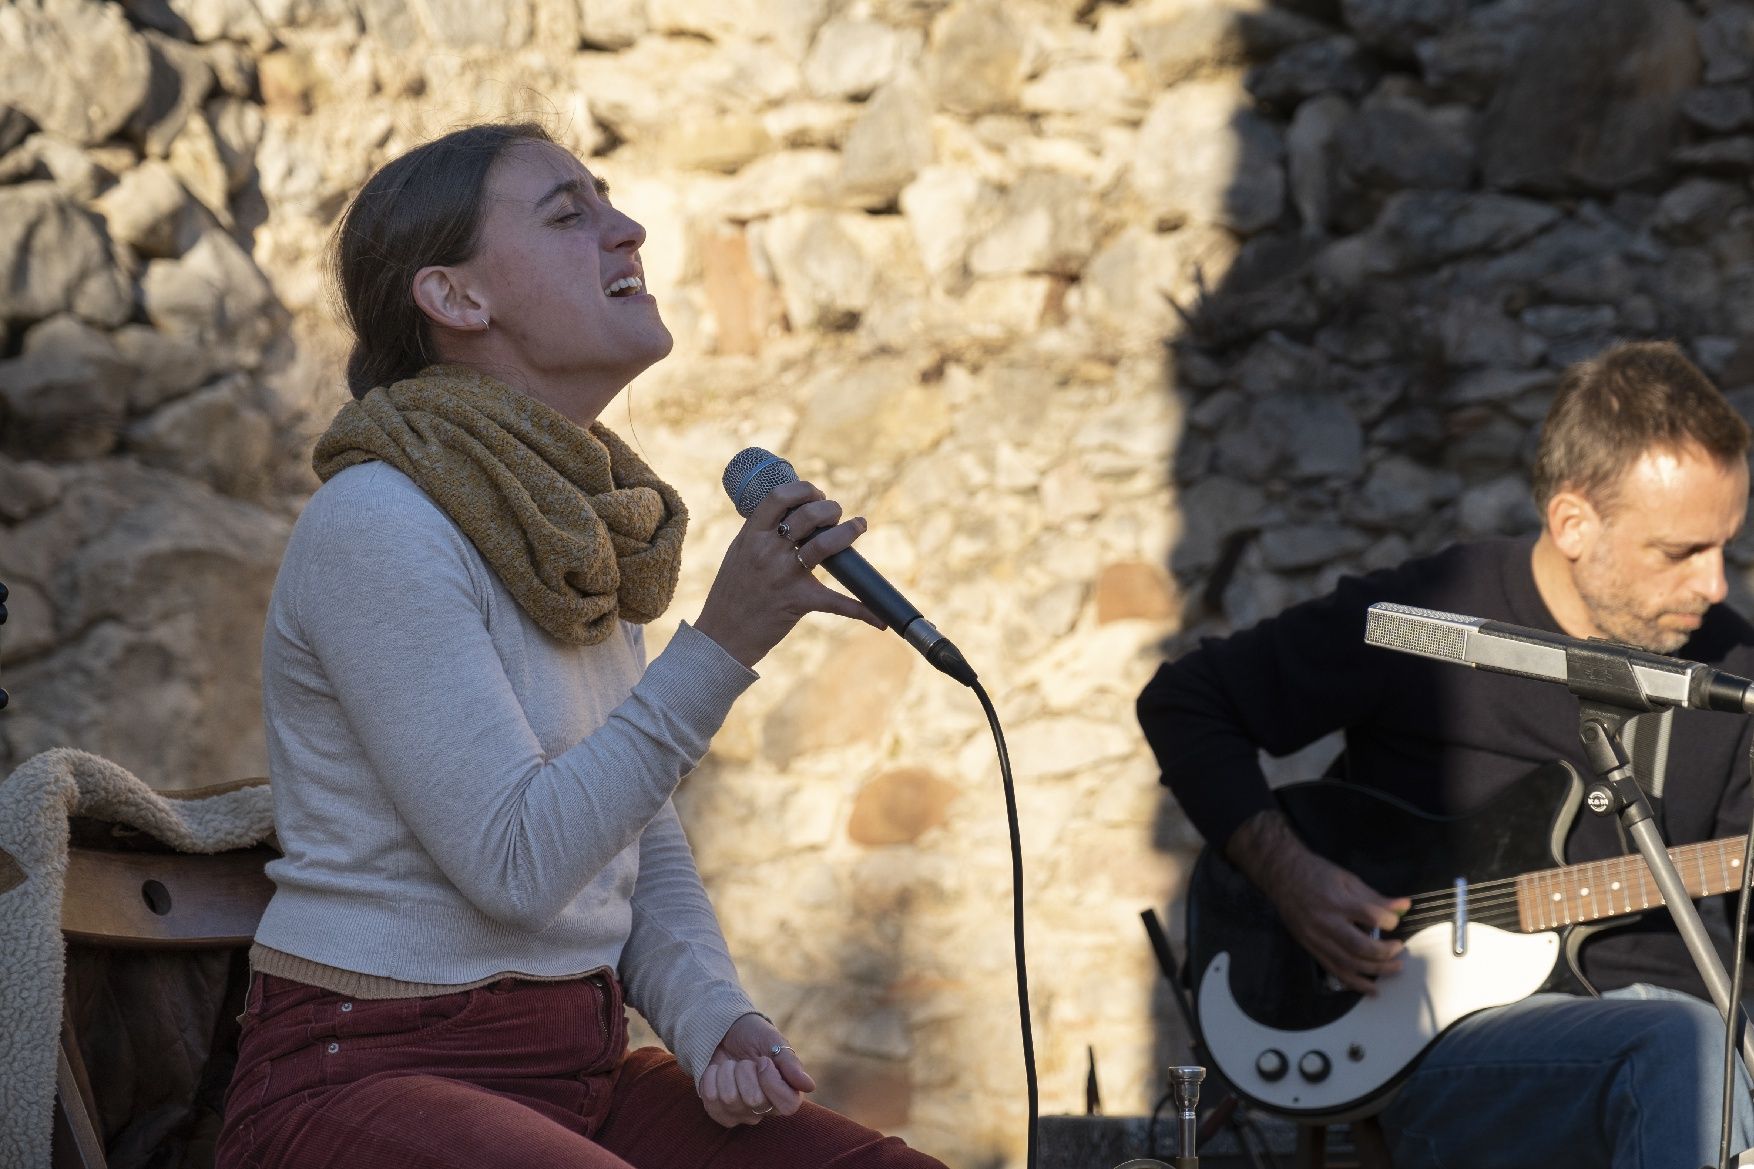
[(1271, 1065), (1314, 1066)]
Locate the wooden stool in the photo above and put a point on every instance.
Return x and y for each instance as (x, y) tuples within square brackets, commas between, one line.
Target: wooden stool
[(145, 901)]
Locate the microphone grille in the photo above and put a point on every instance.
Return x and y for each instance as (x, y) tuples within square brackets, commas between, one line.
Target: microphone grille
[(751, 474), (1426, 632)]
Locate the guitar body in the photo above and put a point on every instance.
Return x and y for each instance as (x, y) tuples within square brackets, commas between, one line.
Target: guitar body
[(1288, 1037)]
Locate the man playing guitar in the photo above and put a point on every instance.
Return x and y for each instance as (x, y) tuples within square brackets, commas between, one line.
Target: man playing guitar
[(1641, 479)]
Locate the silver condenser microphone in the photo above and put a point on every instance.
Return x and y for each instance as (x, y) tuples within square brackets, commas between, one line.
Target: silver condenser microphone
[(1602, 670)]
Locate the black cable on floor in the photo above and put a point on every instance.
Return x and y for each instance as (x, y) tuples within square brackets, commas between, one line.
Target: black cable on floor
[(1016, 914)]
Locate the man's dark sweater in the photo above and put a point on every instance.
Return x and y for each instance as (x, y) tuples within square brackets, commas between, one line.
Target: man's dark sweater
[(1437, 735)]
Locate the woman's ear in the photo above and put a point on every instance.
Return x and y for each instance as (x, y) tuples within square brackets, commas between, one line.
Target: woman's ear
[(445, 297)]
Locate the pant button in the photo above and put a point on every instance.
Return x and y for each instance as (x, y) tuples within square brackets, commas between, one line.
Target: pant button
[(346, 1007), (334, 1047)]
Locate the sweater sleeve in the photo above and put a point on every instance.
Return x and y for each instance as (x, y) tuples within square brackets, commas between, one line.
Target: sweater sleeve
[(396, 612), (676, 967), (1277, 686)]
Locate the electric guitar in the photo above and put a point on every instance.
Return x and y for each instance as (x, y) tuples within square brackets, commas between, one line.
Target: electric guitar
[(1500, 920)]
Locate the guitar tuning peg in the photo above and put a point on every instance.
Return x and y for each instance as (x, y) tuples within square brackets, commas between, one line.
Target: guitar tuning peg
[(4, 699), (3, 593)]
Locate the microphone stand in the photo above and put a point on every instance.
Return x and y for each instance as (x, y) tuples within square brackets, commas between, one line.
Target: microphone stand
[(1616, 792)]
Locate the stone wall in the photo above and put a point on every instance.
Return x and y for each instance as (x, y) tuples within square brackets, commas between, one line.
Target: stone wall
[(1121, 322), (1478, 196)]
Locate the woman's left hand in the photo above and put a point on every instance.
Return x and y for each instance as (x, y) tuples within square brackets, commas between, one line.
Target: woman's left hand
[(753, 1074)]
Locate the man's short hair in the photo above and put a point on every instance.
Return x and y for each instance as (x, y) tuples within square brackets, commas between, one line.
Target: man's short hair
[(1612, 409)]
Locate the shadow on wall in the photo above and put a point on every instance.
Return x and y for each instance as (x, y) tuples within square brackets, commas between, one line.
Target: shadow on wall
[(147, 469), (1433, 210)]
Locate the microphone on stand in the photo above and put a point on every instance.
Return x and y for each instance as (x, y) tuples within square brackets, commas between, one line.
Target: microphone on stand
[(754, 472), (1603, 671)]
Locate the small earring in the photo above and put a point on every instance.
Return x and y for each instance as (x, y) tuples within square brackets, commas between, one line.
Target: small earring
[(484, 321)]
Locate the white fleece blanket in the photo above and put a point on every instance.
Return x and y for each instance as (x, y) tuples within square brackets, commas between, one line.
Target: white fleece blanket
[(35, 802)]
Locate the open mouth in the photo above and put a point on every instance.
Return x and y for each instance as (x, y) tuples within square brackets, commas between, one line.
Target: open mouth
[(626, 286)]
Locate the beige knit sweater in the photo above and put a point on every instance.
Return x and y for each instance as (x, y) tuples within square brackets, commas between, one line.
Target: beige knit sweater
[(461, 794)]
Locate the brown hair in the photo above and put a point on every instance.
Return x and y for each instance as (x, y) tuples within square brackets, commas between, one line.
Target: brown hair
[(1610, 410), (422, 208)]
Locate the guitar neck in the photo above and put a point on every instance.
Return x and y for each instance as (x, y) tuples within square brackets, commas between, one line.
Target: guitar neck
[(1574, 894)]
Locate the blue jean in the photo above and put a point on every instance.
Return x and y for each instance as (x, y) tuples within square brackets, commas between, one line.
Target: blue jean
[(1631, 1080)]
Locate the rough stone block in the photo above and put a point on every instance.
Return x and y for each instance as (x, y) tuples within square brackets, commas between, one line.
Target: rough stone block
[(1333, 65), (1592, 112), (1398, 26), (1047, 226), (976, 58), (851, 58), (75, 67), (824, 275), (1133, 590), (1204, 156), (889, 144), (899, 806), (54, 258), (214, 294), (66, 394)]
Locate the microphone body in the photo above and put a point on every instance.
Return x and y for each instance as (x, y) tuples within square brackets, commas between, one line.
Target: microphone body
[(754, 472), (1603, 671)]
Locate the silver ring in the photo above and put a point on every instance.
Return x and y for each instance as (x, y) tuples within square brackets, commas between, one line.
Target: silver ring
[(764, 1111), (798, 554), (784, 530), (774, 1051)]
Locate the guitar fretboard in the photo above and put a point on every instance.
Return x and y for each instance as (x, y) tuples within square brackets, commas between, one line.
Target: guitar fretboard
[(1550, 898)]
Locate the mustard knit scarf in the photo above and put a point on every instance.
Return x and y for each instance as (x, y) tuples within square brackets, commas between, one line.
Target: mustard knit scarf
[(575, 524)]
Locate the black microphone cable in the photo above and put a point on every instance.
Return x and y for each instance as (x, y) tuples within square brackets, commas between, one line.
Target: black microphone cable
[(1017, 944), (749, 476)]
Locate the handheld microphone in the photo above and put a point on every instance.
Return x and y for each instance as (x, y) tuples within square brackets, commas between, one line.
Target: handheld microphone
[(1603, 671), (754, 472)]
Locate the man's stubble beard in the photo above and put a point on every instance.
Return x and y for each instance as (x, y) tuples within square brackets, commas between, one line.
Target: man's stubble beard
[(1612, 605)]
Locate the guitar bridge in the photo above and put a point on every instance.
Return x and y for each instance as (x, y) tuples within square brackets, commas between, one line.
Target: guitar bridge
[(1459, 943)]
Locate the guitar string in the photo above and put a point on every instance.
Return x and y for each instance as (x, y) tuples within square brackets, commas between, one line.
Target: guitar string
[(1434, 907), (1497, 902), (1688, 854), (1442, 906), (1437, 908), (1414, 923), (1498, 888)]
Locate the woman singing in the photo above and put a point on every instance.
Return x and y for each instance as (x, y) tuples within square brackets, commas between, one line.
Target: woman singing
[(472, 760)]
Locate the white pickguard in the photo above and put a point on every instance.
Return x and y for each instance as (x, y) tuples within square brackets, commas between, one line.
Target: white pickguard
[(1374, 1042)]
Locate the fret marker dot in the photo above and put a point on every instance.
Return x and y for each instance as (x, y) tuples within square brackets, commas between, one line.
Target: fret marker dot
[(1558, 897), (1584, 892), (1615, 885)]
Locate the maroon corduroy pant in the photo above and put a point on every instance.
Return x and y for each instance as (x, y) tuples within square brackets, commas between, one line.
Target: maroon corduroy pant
[(513, 1074)]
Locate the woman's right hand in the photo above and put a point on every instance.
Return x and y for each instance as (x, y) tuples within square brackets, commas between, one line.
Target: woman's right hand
[(766, 583)]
